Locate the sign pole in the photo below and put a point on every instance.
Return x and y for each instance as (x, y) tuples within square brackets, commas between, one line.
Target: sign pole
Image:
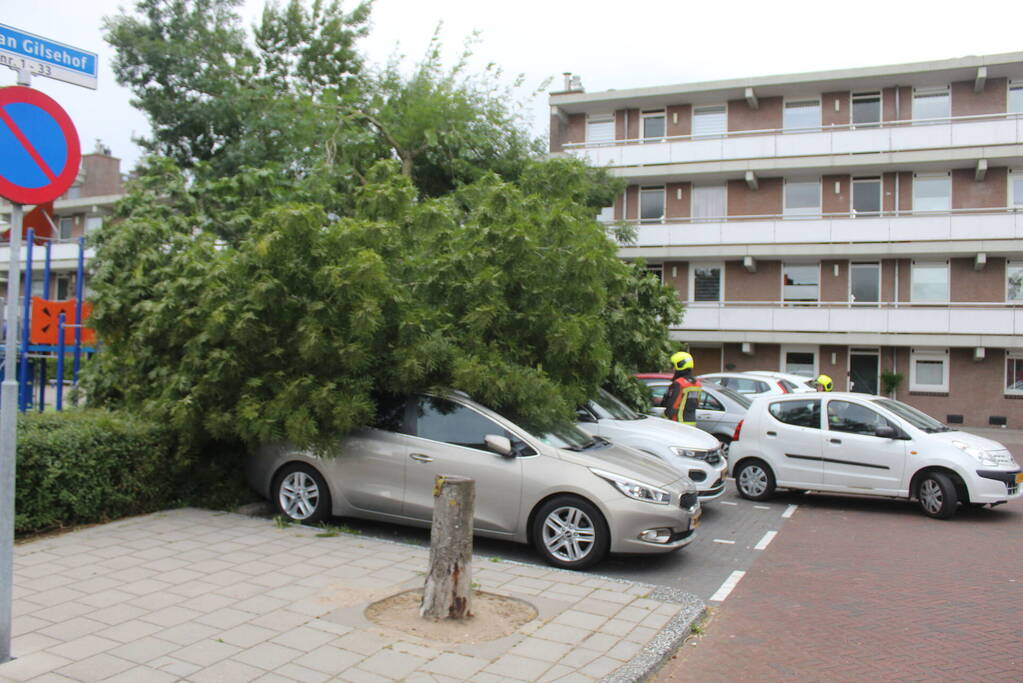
[(9, 426)]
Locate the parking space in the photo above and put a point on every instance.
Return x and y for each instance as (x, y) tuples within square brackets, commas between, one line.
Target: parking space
[(858, 588), (732, 533)]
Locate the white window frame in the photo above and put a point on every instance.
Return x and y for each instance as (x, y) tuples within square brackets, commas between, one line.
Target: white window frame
[(930, 264), (1016, 355), (600, 118), (853, 96), (707, 219), (692, 126), (1014, 201), (1009, 88), (802, 100), (932, 176), (810, 212), (1008, 265), (800, 302), (692, 280), (800, 348), (853, 265), (862, 181), (929, 355), (932, 91), (651, 113), (60, 227), (664, 203)]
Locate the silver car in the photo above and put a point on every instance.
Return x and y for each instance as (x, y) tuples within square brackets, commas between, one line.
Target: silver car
[(718, 413), (691, 451), (573, 496)]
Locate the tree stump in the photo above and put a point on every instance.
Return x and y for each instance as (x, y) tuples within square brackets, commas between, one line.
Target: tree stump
[(448, 590)]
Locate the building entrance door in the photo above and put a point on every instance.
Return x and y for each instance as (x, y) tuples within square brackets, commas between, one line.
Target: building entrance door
[(864, 365)]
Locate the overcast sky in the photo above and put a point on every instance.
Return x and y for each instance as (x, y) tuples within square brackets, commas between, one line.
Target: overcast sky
[(610, 44)]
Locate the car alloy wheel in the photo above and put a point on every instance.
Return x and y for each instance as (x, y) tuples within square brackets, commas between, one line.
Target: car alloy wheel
[(570, 532), (302, 494)]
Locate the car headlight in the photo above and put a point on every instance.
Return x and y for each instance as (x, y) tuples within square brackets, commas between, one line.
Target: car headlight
[(683, 452), (977, 454), (635, 489)]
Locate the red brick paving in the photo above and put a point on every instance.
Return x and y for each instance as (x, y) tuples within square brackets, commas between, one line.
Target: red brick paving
[(857, 589)]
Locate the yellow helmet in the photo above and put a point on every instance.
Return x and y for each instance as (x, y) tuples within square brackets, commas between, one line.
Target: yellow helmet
[(681, 360), (824, 383)]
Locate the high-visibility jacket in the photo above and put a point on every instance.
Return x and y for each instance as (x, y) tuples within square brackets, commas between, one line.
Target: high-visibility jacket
[(681, 400)]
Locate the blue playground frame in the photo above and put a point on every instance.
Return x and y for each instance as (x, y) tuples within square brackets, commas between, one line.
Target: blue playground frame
[(32, 359)]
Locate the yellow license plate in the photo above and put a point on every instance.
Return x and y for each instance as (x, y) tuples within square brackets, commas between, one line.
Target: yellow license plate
[(1019, 477), (695, 521)]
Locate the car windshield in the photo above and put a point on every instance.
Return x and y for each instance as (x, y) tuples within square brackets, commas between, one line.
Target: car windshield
[(567, 435), (607, 407), (921, 421), (743, 401)]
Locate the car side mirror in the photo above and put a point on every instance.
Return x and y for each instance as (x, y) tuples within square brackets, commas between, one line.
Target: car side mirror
[(499, 444), (889, 432)]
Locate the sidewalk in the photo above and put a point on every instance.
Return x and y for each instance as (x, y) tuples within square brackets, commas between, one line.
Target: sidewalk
[(203, 596)]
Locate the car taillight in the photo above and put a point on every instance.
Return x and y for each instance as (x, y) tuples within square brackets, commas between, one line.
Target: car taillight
[(782, 387), (738, 431)]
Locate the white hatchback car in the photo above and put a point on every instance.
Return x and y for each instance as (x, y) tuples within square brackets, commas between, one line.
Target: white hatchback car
[(854, 443), (691, 451)]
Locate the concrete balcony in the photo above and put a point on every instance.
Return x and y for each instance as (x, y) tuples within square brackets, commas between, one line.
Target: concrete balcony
[(63, 256), (985, 131), (960, 230), (951, 324)]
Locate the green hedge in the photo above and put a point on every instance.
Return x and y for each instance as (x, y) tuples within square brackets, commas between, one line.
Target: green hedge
[(85, 466)]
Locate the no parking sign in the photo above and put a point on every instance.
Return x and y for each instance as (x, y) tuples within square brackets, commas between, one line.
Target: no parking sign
[(39, 149)]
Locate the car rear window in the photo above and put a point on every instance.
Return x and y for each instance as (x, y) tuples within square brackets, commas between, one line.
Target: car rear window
[(805, 413)]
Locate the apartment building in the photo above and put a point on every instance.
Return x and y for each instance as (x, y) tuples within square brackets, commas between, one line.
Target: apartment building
[(77, 213), (858, 222)]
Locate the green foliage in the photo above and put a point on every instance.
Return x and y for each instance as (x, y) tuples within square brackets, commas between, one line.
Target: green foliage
[(80, 467), (890, 382), (508, 291)]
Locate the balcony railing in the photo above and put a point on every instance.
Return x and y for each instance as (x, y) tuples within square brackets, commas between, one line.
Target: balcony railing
[(1004, 222), (983, 318), (886, 136)]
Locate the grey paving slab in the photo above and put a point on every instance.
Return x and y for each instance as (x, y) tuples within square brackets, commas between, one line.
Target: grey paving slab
[(203, 596)]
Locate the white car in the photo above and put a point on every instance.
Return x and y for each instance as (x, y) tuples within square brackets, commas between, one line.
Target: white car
[(854, 443), (747, 383), (796, 384), (691, 451)]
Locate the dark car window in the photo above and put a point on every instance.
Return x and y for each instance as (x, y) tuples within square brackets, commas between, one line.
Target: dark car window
[(439, 419), (607, 407), (708, 402), (391, 411), (743, 401), (806, 413), (789, 386), (657, 392), (853, 418)]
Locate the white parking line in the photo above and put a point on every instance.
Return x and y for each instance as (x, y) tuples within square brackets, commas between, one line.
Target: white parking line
[(762, 507), (725, 541), (768, 537), (788, 511), (726, 502), (727, 586)]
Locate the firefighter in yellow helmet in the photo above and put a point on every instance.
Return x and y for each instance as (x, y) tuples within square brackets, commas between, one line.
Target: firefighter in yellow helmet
[(683, 394), (824, 383)]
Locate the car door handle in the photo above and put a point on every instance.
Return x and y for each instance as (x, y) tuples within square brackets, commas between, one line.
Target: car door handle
[(421, 457), (770, 433), (836, 441)]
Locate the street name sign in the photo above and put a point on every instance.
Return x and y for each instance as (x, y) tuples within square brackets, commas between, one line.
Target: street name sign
[(39, 149), (40, 56)]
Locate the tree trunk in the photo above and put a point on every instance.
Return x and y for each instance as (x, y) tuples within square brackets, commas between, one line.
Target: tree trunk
[(448, 590)]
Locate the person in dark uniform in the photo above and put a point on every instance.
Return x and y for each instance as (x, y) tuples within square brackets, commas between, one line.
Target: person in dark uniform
[(683, 394)]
